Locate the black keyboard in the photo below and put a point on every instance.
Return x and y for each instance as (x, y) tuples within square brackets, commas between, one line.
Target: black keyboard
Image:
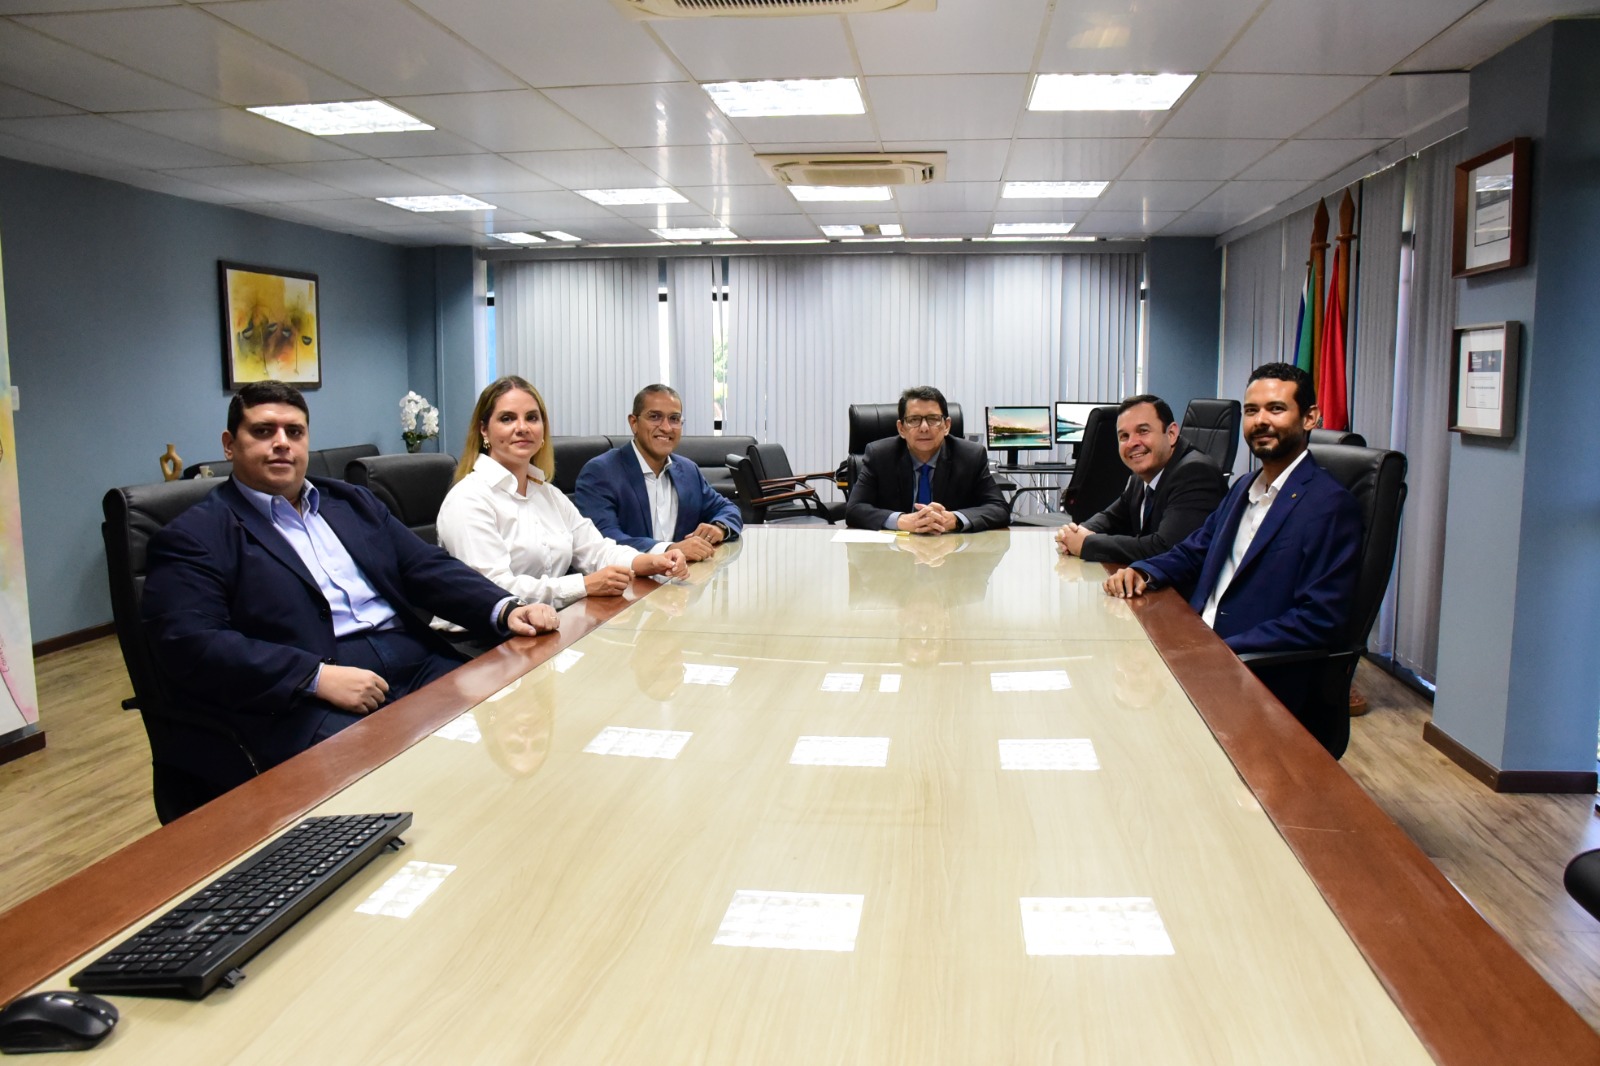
[(201, 942)]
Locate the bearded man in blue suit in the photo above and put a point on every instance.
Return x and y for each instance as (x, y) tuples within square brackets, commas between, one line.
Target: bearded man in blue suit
[(1274, 567), (639, 495)]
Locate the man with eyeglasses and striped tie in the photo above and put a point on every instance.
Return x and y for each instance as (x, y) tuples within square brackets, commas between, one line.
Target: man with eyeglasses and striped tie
[(924, 480)]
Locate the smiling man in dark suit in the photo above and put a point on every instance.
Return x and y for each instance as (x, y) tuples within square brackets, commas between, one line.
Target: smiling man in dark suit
[(1173, 488), (924, 480), (1274, 567), (283, 605)]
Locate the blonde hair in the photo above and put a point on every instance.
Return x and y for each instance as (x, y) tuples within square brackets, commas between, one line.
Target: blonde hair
[(544, 458)]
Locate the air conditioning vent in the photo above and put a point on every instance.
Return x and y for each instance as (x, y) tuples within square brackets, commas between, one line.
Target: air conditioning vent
[(680, 9), (855, 169)]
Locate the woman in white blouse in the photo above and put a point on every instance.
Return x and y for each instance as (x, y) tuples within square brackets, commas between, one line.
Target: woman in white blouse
[(504, 519)]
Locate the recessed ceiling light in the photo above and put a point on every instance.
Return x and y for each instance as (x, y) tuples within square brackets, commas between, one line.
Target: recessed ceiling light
[(1030, 229), (437, 203), (844, 231), (1053, 190), (934, 240), (1107, 92), (691, 233), (821, 193), (890, 229), (557, 235), (802, 96), (343, 117), (517, 238), (615, 197)]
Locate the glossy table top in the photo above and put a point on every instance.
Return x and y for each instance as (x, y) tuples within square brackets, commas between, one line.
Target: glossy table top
[(926, 801)]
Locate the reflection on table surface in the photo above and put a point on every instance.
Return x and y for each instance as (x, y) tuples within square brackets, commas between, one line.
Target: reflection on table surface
[(933, 801)]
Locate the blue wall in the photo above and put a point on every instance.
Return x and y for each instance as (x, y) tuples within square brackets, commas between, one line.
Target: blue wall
[(1183, 317), (111, 298)]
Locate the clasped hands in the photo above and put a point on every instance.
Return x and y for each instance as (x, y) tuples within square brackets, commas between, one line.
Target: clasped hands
[(929, 518), (1070, 538), (615, 580), (701, 543)]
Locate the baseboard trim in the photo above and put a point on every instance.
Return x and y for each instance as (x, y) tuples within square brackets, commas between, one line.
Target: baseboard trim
[(1563, 781), (20, 742), (73, 639)]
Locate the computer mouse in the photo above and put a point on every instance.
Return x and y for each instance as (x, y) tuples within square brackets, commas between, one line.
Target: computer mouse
[(55, 1021)]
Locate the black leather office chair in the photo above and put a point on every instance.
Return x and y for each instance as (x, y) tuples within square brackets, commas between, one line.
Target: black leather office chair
[(1338, 436), (875, 421), (1099, 475), (179, 742), (1583, 881), (320, 462), (759, 505), (1212, 425), (411, 485), (774, 473), (572, 453), (1377, 479)]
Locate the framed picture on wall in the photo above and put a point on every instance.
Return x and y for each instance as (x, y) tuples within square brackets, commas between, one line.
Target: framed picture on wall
[(1491, 211), (1483, 380), (269, 326)]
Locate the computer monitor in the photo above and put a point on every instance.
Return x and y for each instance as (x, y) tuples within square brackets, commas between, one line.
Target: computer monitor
[(1071, 419), (1014, 429)]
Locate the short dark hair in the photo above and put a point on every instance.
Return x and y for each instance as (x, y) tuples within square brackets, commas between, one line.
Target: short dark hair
[(1305, 390), (259, 392), (652, 390), (923, 392), (1163, 409)]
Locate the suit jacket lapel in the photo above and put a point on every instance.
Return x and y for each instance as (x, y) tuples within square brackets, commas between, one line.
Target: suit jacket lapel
[(1221, 543), (1291, 494), (633, 478), (688, 502), (264, 534), (941, 472)]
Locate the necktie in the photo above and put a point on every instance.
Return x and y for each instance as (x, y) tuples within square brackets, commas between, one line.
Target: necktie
[(925, 483), (1144, 512)]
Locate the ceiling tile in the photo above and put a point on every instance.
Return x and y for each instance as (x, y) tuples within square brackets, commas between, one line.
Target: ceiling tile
[(600, 168), (703, 165), (519, 121), (384, 46), (666, 215), (959, 37), (95, 135), (406, 143), (1310, 160), (637, 116), (796, 147), (14, 103), (723, 201), (1201, 224), (1042, 211), (1259, 105), (198, 52), (68, 74), (1135, 124), (964, 160), (1249, 198), (1071, 159), (1113, 36), (546, 206), (42, 7), (1489, 28), (774, 227), (369, 212), (1124, 223), (948, 196), (1184, 157), (1154, 195), (475, 174), (1350, 37), (954, 224), (175, 186), (237, 133), (262, 182), (558, 42), (364, 177), (1395, 106), (947, 107), (607, 230), (831, 132), (49, 155), (731, 49)]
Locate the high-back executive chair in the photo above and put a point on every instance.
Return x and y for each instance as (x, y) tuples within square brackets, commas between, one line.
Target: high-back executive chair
[(179, 741), (875, 421), (411, 485), (774, 473), (1337, 436), (1582, 880), (1212, 425), (1377, 479), (1099, 475), (760, 504)]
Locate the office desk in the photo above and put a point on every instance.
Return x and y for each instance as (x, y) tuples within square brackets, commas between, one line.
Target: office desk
[(1188, 879)]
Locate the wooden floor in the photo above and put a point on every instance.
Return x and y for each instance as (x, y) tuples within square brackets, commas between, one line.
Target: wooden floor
[(87, 794)]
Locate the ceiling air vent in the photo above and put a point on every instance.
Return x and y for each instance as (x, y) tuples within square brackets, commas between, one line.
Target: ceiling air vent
[(680, 9), (855, 169)]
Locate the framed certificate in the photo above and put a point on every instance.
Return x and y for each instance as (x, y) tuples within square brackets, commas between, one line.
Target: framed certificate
[(1491, 211), (1483, 380)]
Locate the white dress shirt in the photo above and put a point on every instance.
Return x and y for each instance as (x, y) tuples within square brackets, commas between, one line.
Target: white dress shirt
[(663, 497), (524, 544), (1255, 512)]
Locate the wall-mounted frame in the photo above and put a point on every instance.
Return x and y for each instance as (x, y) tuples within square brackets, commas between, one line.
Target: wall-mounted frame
[(1483, 380), (269, 326), (1491, 211)]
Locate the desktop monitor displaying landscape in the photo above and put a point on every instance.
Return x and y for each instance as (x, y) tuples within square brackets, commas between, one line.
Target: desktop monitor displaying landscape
[(1071, 418), (1018, 428)]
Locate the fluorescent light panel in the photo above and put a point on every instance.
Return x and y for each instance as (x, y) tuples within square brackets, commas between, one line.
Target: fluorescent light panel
[(843, 231), (1030, 229), (558, 235), (618, 197), (803, 96), (691, 233), (343, 117), (1053, 190), (833, 193), (1107, 92), (437, 203), (890, 229), (518, 238)]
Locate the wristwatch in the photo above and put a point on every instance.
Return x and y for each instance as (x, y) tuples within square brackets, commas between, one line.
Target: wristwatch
[(503, 621), (726, 532)]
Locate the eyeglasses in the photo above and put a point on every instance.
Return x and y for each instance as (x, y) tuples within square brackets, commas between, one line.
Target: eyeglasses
[(916, 421), (655, 418)]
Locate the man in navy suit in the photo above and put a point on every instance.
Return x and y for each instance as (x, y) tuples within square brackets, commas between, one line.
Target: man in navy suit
[(1274, 567), (924, 480), (283, 606), (639, 495)]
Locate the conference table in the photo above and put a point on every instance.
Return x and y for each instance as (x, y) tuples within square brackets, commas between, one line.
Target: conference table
[(839, 797)]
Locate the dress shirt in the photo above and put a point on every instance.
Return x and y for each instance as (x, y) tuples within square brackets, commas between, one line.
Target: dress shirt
[(1147, 501), (526, 544), (893, 521), (663, 496), (1261, 500)]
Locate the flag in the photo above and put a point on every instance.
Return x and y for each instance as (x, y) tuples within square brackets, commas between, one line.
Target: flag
[(1302, 330), (1330, 375)]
